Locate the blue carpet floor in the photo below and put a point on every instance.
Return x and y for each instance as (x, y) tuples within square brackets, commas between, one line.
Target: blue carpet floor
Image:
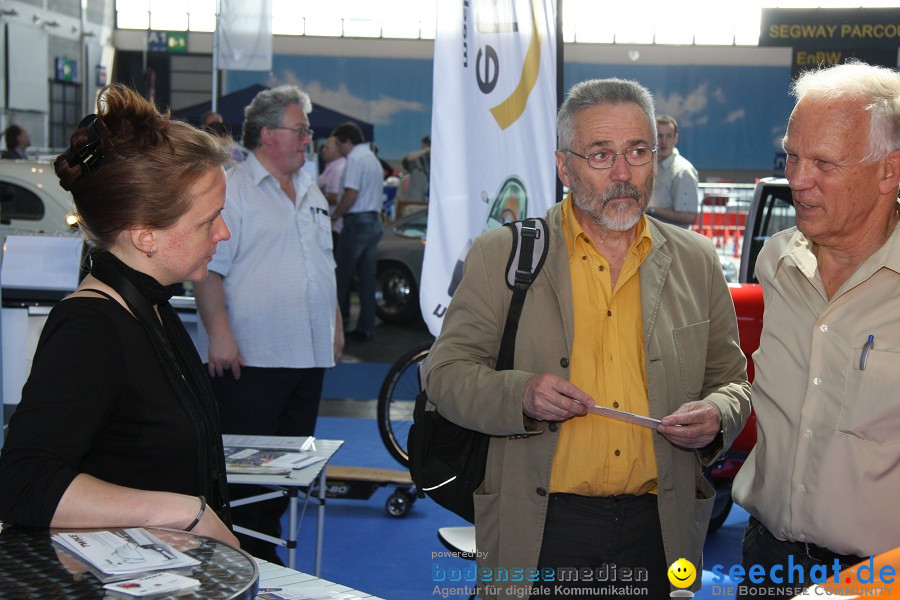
[(399, 558)]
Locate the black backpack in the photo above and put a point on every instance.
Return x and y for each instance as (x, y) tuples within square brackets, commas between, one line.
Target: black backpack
[(446, 461)]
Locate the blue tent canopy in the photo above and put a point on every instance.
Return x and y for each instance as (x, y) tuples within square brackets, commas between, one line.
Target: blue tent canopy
[(231, 106)]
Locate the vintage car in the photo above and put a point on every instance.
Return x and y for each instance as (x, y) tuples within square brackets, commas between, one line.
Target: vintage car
[(31, 200)]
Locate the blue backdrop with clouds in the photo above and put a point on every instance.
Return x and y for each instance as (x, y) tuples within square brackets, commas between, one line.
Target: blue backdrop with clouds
[(730, 117)]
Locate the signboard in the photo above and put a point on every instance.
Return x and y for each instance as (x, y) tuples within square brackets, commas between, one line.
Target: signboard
[(823, 36), (493, 131), (825, 28), (66, 69), (173, 42)]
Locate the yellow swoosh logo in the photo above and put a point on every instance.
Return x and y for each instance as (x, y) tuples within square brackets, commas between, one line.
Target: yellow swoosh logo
[(508, 112)]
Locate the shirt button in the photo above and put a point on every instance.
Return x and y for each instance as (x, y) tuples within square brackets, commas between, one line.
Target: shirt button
[(816, 381), (802, 535), (802, 488), (615, 405), (823, 328), (553, 426), (601, 268), (807, 433), (564, 362), (541, 492), (609, 313), (617, 452)]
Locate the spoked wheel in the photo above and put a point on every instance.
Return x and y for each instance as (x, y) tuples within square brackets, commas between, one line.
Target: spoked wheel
[(396, 402)]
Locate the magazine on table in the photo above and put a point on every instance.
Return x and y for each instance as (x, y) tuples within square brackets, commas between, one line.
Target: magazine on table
[(123, 552), (268, 455), (268, 462)]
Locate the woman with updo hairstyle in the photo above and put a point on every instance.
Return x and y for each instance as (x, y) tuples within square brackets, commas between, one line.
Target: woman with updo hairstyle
[(117, 426)]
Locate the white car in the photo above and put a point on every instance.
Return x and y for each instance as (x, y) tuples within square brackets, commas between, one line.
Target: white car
[(31, 199)]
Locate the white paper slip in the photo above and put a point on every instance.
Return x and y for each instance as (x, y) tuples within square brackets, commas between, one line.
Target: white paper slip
[(305, 593), (158, 583), (621, 415)]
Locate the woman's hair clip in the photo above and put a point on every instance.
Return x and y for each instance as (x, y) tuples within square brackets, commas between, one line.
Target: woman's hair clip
[(89, 154)]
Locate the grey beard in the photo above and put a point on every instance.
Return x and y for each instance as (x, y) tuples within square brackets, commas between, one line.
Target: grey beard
[(624, 219)]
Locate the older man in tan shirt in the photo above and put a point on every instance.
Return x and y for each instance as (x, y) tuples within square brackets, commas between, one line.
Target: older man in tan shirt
[(823, 481)]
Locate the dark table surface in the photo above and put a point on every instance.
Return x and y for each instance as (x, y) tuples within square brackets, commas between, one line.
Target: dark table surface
[(31, 566)]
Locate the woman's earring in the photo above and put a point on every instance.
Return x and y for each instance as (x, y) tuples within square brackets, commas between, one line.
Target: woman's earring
[(150, 254)]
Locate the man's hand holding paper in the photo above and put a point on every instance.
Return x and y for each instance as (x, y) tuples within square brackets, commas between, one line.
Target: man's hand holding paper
[(552, 398), (693, 425)]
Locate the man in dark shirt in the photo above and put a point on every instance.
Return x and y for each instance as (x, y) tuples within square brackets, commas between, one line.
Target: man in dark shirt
[(17, 141)]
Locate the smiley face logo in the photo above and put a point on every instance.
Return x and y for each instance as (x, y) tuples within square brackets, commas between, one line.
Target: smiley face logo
[(682, 573)]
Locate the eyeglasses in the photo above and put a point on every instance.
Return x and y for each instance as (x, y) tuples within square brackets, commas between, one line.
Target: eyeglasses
[(605, 159), (301, 131)]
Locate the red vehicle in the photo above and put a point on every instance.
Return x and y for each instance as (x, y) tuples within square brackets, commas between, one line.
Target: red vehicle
[(770, 211)]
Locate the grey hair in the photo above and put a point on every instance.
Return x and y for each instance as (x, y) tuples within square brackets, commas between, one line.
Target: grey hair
[(878, 88), (267, 110), (600, 91)]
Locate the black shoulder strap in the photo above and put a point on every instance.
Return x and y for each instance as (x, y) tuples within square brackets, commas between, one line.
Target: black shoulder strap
[(531, 241), (101, 292)]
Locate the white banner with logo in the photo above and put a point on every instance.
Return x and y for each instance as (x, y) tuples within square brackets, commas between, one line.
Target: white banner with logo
[(245, 35), (493, 131)]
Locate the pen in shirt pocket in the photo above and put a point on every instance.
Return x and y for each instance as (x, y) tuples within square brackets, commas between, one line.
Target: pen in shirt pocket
[(316, 209), (864, 355)]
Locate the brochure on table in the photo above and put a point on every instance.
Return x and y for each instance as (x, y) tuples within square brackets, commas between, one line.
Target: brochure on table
[(123, 552)]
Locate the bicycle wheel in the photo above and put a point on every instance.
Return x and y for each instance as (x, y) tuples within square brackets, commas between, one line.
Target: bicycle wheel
[(396, 401)]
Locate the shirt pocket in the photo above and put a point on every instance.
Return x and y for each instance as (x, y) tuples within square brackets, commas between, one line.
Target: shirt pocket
[(322, 223), (690, 346), (870, 407)]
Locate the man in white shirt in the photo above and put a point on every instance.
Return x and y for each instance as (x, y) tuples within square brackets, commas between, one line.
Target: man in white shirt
[(360, 206), (269, 304)]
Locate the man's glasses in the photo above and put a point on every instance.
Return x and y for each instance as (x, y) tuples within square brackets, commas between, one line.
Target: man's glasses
[(605, 159), (301, 131)]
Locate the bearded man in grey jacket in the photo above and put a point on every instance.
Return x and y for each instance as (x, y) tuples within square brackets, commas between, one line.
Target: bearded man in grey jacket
[(627, 313)]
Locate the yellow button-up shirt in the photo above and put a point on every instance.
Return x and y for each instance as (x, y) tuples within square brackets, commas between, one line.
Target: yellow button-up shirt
[(596, 455)]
